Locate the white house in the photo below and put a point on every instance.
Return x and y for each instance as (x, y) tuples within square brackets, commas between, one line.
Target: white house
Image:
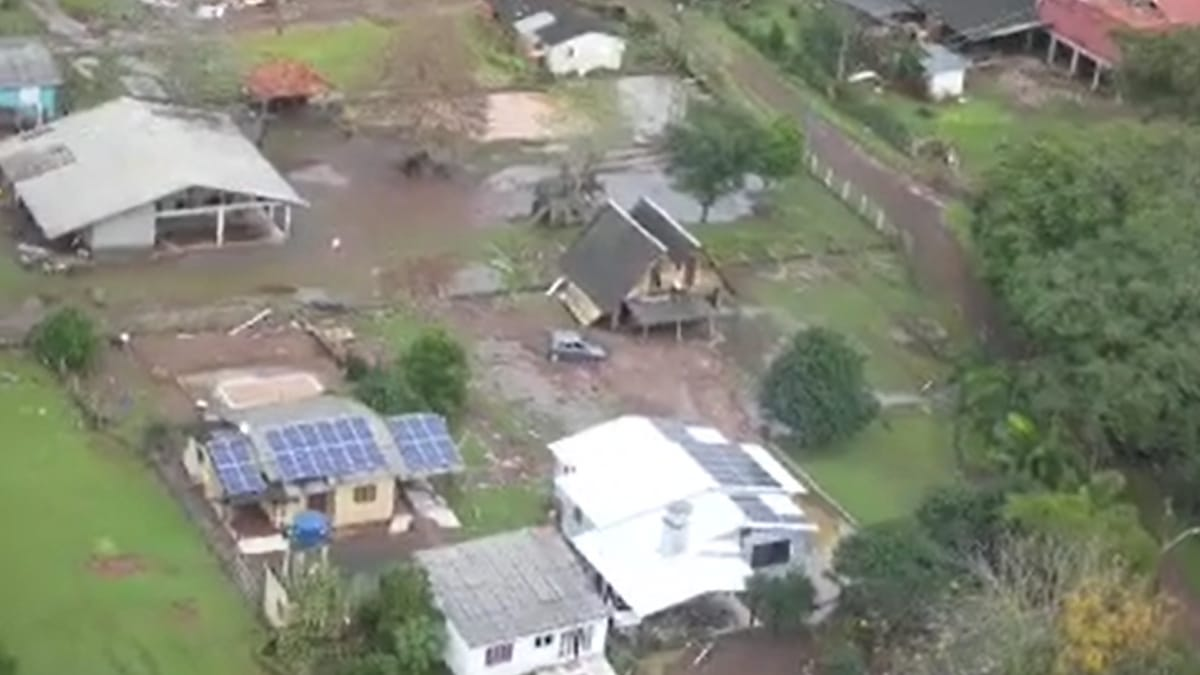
[(567, 40), (945, 72), (516, 603), (664, 512)]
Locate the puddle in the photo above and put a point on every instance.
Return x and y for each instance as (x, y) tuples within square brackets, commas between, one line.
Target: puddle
[(649, 103), (511, 191)]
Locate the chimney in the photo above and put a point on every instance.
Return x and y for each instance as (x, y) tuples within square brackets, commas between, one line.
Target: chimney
[(675, 528)]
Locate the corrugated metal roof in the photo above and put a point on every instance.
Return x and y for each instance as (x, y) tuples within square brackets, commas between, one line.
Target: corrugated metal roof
[(127, 153), (26, 62), (511, 585), (981, 19)]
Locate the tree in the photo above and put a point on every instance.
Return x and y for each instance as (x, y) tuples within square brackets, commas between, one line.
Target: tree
[(783, 603), (842, 657), (892, 573), (1093, 514), (1107, 619), (315, 621), (829, 44), (437, 372), (1160, 71), (66, 341), (966, 520), (711, 152), (386, 390), (817, 388), (781, 149), (399, 625)]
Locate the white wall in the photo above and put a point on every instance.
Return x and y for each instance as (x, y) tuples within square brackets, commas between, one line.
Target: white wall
[(582, 54), (132, 229), (464, 660), (946, 85)]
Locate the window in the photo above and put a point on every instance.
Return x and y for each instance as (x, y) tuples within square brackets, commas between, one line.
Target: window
[(543, 640), (364, 494), (773, 553), (497, 654)]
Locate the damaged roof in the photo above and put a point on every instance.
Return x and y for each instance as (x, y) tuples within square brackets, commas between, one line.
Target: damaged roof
[(611, 255)]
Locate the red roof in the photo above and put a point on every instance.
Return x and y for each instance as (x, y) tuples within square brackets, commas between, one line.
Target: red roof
[(1091, 24), (285, 79)]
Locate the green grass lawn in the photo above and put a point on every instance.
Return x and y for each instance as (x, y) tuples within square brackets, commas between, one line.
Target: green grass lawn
[(349, 55), (804, 217), (489, 510), (886, 470), (65, 499), (16, 19), (861, 298)]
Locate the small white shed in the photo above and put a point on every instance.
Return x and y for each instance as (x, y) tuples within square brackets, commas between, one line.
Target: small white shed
[(945, 72), (567, 39)]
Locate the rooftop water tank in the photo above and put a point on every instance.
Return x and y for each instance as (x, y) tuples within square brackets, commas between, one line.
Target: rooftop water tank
[(309, 529)]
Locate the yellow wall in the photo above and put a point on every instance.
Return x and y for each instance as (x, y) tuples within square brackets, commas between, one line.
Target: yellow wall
[(348, 512), (198, 465)]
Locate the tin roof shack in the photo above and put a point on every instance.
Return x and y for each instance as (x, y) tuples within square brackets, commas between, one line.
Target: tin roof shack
[(128, 174), (518, 603), (640, 267), (29, 82), (565, 38)]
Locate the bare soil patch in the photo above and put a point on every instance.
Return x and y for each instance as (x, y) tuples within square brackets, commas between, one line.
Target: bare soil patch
[(750, 652), (116, 567)]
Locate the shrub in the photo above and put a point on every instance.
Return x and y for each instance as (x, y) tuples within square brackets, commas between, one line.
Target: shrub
[(356, 367), (782, 603), (436, 370), (842, 657), (817, 388), (386, 391), (66, 341), (879, 119)]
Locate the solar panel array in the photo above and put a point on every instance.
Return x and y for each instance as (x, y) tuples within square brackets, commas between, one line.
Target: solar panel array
[(233, 459), (425, 443), (332, 448), (730, 465), (758, 512)]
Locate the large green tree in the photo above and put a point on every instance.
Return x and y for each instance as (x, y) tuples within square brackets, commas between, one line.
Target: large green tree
[(1162, 71), (711, 151), (817, 388), (400, 626)]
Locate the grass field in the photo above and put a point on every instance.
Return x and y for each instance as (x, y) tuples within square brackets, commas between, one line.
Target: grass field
[(490, 510), (886, 470), (349, 55), (67, 503)]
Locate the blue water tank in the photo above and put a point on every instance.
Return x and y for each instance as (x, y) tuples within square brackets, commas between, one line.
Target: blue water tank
[(309, 530)]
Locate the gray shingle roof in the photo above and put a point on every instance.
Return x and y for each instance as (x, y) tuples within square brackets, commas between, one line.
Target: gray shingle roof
[(569, 21), (680, 243), (611, 255), (139, 152), (26, 62), (511, 585), (980, 19)]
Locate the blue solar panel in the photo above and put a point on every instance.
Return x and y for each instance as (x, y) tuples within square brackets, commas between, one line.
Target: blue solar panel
[(233, 460), (757, 511), (425, 443), (332, 448)]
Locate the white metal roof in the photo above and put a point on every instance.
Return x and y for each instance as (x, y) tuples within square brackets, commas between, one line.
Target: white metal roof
[(126, 153), (624, 473)]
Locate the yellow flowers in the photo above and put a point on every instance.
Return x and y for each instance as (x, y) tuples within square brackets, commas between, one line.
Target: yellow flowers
[(1106, 619)]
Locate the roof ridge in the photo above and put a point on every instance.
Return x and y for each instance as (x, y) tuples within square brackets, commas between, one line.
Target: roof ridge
[(671, 220), (637, 226)]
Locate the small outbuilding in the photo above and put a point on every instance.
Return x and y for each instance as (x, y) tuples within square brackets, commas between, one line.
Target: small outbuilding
[(640, 267), (516, 603), (30, 82), (284, 82), (129, 174), (945, 72), (566, 39)]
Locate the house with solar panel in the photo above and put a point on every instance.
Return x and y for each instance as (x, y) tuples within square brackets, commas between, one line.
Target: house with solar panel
[(664, 512), (518, 602), (640, 267), (261, 466)]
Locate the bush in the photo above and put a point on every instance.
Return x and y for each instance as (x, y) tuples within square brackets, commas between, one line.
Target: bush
[(386, 391), (782, 603), (817, 388), (356, 367), (66, 341), (436, 370), (878, 119), (842, 658)]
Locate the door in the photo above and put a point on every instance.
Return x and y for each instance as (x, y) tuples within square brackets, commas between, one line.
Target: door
[(319, 503)]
